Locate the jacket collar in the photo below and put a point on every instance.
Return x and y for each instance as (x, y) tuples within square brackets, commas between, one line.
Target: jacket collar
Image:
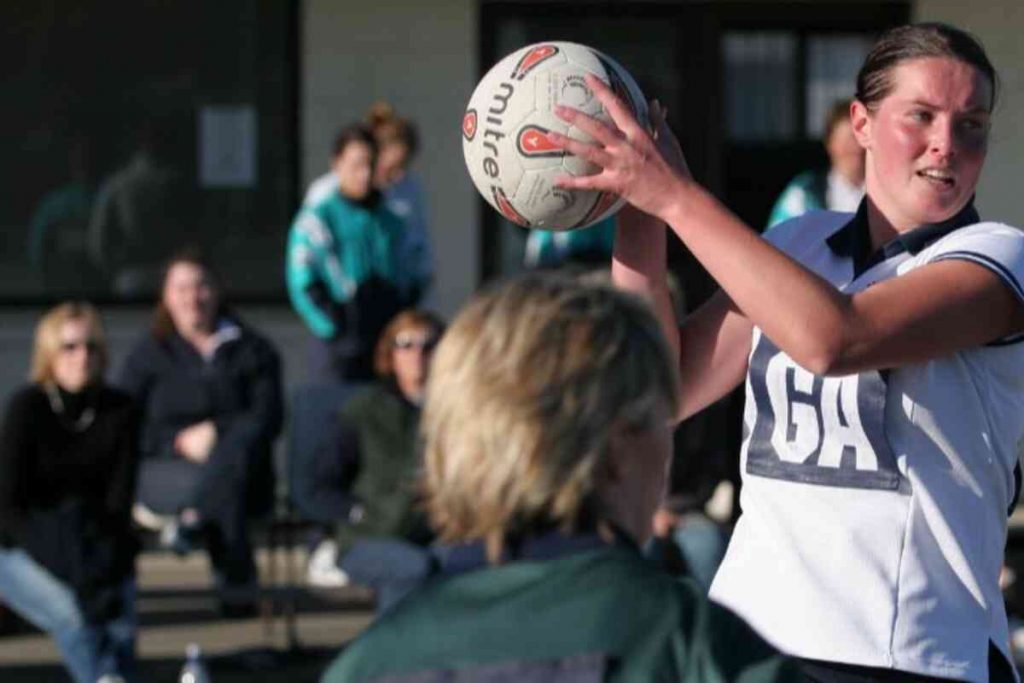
[(853, 240), (466, 557)]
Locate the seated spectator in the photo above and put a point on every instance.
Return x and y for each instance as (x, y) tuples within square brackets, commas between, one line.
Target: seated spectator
[(344, 268), (839, 187), (365, 472), (210, 390), (68, 452), (547, 427)]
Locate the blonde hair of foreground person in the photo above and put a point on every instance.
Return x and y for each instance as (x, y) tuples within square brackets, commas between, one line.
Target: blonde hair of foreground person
[(46, 344), (525, 389)]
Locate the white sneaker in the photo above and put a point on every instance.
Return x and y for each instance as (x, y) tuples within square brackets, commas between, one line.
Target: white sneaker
[(109, 678), (323, 571)]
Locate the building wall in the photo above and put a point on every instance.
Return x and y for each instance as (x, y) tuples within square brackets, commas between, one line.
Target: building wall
[(998, 23), (420, 57)]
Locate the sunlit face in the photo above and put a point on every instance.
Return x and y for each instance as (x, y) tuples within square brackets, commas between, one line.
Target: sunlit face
[(76, 363), (926, 141), (191, 298), (411, 352), (391, 164), (642, 457), (354, 170), (845, 154)]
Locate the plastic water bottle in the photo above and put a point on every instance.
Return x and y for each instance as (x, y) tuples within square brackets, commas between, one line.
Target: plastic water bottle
[(194, 670)]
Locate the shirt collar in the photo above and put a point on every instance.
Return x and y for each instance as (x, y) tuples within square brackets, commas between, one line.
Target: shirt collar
[(853, 240)]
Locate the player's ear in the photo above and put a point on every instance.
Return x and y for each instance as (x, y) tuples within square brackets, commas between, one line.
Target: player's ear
[(861, 121)]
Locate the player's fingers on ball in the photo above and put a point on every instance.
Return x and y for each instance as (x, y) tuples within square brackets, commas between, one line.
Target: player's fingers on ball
[(598, 130), (584, 150), (621, 114), (581, 182)]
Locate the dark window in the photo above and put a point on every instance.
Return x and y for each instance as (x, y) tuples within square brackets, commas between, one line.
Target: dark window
[(136, 128)]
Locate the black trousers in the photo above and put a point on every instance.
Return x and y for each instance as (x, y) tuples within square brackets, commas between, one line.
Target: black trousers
[(220, 492)]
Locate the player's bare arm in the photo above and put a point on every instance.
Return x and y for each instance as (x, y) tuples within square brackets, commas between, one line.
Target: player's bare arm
[(944, 307)]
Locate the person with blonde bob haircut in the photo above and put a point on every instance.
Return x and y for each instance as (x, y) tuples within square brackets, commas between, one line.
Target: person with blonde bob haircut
[(68, 453), (547, 429)]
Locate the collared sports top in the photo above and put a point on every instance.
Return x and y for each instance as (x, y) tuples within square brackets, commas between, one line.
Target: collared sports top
[(875, 504)]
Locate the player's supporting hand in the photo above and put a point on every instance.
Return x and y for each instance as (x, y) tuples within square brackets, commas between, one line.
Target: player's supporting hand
[(646, 172)]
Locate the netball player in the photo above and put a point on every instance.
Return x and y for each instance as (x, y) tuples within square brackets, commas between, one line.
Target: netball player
[(884, 378)]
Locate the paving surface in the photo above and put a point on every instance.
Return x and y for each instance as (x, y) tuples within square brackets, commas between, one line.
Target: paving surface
[(176, 607)]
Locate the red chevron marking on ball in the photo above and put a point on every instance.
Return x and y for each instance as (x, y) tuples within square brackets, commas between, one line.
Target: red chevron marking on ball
[(469, 124), (506, 208), (532, 58), (533, 141)]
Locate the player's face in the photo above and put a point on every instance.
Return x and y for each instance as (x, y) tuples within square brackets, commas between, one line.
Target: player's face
[(190, 298), (77, 359), (926, 141), (354, 169), (411, 351), (641, 460)]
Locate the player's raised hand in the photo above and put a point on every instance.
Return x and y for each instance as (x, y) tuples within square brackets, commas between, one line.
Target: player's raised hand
[(633, 164)]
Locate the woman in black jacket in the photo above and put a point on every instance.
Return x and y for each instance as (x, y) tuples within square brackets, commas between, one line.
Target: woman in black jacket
[(68, 452), (210, 390)]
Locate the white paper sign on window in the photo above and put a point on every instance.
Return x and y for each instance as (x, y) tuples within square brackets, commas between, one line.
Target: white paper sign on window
[(227, 146)]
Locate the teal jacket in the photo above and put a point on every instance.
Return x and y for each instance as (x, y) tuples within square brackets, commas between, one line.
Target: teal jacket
[(602, 613), (547, 249), (334, 246), (805, 192)]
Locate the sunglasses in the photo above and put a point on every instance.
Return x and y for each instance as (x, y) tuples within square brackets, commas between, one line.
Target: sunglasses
[(407, 342), (71, 346)]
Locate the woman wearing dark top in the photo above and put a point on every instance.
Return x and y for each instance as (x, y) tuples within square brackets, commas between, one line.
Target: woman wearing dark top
[(210, 391), (363, 475), (68, 452)]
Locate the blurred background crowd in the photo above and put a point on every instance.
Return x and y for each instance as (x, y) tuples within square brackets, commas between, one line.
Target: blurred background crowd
[(266, 205)]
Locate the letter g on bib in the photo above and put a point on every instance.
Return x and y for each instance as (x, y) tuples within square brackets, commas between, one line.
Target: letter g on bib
[(828, 431)]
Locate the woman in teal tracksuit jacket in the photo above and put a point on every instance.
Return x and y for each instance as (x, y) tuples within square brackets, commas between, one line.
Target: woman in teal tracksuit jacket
[(342, 268)]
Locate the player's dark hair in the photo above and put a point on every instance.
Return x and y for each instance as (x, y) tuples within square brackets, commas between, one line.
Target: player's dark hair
[(354, 133), (918, 41)]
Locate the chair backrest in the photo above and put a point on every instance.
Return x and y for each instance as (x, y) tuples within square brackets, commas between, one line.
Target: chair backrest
[(314, 407)]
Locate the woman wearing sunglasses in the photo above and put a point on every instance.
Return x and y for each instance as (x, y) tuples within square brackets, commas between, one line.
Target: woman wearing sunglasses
[(68, 450), (365, 469)]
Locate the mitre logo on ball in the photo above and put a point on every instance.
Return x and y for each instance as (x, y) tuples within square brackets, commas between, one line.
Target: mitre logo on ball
[(504, 133)]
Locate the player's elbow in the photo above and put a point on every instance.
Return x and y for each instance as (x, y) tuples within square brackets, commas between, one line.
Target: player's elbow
[(821, 363), (822, 354)]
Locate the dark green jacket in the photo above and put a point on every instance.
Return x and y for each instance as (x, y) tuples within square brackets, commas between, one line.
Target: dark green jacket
[(601, 614), (383, 426)]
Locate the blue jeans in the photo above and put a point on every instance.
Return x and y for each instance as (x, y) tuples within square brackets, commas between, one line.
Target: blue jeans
[(703, 545), (700, 541), (89, 650), (393, 568)]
